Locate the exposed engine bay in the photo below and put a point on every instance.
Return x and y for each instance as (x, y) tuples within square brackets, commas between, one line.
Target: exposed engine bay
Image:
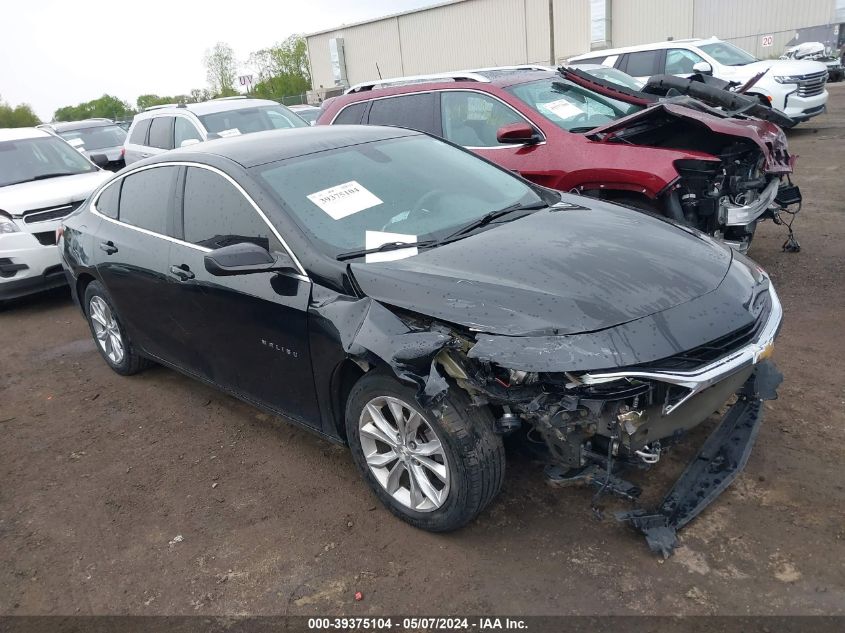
[(742, 172)]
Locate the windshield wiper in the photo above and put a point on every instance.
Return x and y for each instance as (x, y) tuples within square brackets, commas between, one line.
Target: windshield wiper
[(487, 218), (387, 246), (39, 177), (53, 175)]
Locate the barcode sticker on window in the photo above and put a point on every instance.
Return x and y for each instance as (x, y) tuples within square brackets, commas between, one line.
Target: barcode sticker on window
[(343, 200)]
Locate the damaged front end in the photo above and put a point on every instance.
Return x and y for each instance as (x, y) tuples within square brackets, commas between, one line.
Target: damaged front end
[(602, 401), (741, 169)]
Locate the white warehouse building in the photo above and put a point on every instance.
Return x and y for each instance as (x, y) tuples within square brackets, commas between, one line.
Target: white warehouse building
[(462, 34)]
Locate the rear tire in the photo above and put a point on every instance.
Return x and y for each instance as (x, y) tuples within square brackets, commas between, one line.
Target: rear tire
[(459, 444), (111, 338)]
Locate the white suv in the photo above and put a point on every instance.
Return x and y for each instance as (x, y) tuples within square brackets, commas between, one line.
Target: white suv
[(795, 87), (42, 180), (161, 128)]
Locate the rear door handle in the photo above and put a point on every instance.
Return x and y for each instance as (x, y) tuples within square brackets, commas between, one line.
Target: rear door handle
[(108, 247), (182, 272)]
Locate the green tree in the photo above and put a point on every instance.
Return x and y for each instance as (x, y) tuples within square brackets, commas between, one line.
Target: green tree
[(197, 95), (220, 69), (282, 69), (19, 116), (107, 107)]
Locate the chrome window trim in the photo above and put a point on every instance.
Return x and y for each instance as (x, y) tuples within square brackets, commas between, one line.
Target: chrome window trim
[(93, 208), (708, 375), (482, 92)]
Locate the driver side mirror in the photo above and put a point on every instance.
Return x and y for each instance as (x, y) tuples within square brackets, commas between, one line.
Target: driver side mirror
[(246, 258), (518, 133), (100, 160), (189, 141), (702, 68)]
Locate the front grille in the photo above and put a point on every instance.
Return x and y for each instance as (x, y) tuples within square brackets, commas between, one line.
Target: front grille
[(50, 213), (812, 85), (716, 349)]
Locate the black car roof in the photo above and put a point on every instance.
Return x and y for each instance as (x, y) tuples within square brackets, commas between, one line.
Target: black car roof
[(265, 147)]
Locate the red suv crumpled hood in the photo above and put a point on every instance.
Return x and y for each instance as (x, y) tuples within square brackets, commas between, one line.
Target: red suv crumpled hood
[(767, 136)]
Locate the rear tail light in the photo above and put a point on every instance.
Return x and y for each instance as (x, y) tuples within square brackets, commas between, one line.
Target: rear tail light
[(122, 152), (59, 233)]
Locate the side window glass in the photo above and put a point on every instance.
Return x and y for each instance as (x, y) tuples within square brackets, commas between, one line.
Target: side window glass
[(139, 132), (472, 119), (351, 114), (414, 111), (161, 132), (216, 214), (680, 61), (108, 201), (184, 130), (643, 63), (145, 198)]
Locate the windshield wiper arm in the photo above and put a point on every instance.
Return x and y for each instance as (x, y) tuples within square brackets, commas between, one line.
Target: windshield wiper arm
[(39, 177), (487, 218), (387, 246)]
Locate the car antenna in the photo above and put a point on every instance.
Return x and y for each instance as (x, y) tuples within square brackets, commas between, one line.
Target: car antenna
[(378, 70)]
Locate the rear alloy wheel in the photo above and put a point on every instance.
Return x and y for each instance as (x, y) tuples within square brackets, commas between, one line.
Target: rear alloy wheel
[(435, 471), (112, 341)]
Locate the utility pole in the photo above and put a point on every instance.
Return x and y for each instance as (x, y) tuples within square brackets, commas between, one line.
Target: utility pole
[(551, 32)]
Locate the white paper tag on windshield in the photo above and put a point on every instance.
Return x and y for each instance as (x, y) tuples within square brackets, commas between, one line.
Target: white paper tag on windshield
[(563, 108), (374, 239), (346, 199), (233, 132)]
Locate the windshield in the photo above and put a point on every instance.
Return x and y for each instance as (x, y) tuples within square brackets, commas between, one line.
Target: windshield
[(308, 114), (615, 76), (728, 54), (413, 188), (96, 137), (570, 106), (247, 120), (35, 158)]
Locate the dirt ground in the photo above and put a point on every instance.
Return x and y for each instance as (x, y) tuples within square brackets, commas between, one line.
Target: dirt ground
[(157, 495)]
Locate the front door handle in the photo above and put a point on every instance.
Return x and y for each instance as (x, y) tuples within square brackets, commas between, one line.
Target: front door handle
[(108, 247), (182, 272)]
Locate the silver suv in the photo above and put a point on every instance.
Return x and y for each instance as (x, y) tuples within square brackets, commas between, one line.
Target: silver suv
[(161, 128)]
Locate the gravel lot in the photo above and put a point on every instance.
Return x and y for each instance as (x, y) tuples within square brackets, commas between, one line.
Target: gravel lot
[(157, 495)]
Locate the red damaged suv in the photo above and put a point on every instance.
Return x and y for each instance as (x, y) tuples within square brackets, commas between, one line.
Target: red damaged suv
[(699, 165)]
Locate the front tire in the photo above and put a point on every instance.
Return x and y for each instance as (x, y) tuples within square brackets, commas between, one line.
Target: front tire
[(111, 338), (435, 472)]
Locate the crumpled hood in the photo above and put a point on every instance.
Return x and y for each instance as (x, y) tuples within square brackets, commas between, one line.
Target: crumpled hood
[(554, 272), (766, 135), (16, 199)]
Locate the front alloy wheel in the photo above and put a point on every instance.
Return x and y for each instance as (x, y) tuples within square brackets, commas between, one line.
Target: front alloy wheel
[(435, 469), (404, 454)]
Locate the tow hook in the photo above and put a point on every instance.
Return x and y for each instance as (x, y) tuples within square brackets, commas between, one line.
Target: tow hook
[(650, 454)]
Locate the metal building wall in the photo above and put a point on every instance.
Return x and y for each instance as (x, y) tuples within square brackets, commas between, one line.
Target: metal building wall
[(743, 23), (365, 46), (452, 36), (643, 21)]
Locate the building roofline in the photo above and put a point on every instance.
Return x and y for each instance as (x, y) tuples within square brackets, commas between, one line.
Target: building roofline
[(391, 16)]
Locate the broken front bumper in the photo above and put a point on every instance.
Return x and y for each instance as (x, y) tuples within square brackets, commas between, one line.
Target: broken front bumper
[(721, 459), (742, 215)]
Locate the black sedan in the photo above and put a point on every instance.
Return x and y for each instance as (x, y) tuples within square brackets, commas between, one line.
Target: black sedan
[(394, 292)]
